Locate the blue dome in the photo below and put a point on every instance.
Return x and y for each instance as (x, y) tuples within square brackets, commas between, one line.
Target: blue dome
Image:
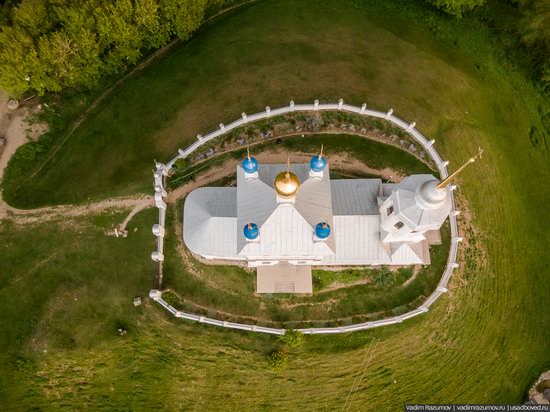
[(251, 231), (250, 165), (318, 163), (322, 230)]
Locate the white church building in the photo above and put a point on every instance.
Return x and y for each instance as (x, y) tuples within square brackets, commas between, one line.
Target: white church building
[(283, 219)]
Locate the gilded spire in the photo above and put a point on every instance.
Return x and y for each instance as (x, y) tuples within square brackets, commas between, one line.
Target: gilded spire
[(321, 152), (248, 152), (448, 180), (286, 183)]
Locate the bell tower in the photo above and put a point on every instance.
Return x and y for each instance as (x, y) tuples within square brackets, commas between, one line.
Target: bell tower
[(419, 203)]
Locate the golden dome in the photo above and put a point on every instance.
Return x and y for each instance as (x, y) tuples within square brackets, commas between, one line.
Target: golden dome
[(286, 184)]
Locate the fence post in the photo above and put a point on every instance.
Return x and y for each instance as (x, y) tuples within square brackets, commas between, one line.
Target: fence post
[(155, 294), (157, 256)]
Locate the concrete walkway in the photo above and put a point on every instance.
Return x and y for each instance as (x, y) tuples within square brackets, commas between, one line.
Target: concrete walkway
[(284, 278)]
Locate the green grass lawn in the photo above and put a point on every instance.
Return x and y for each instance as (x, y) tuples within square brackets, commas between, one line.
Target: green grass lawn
[(485, 341)]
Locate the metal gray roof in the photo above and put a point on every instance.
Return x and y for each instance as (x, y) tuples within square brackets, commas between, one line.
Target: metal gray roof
[(210, 220), (387, 188), (256, 201), (355, 196), (357, 241), (407, 253), (314, 202)]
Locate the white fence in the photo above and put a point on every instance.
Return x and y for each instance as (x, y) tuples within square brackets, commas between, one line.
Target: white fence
[(428, 145)]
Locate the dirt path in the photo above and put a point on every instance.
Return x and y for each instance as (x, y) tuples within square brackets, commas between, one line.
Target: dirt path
[(140, 205), (211, 175), (337, 161), (4, 98), (15, 137), (44, 214), (416, 269), (6, 151)]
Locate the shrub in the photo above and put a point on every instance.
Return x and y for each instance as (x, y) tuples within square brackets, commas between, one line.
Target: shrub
[(171, 298), (456, 8), (278, 359), (181, 164), (293, 339), (314, 123), (545, 78), (399, 310), (384, 278)]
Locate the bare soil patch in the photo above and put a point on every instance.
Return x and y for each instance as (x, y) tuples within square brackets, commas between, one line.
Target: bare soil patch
[(137, 203)]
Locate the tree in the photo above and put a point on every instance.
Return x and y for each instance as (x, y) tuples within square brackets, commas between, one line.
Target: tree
[(119, 40), (184, 17), (67, 61), (72, 56), (456, 8), (534, 27), (33, 16), (19, 61), (53, 44), (147, 20), (535, 24)]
